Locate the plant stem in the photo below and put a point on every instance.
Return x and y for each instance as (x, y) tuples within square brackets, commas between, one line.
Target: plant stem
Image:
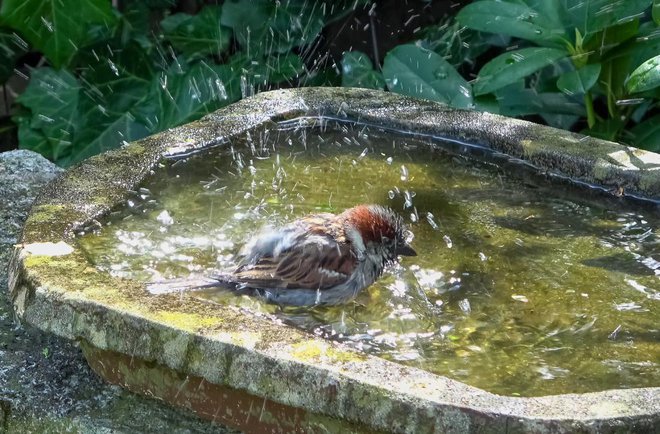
[(589, 104)]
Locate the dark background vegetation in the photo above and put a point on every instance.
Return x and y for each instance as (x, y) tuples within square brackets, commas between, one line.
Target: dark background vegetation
[(83, 76)]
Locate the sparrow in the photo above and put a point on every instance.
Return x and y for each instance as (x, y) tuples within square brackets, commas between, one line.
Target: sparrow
[(319, 259)]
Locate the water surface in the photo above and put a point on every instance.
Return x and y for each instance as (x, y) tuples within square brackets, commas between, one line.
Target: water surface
[(520, 286)]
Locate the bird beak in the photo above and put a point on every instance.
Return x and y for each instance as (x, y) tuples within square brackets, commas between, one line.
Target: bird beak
[(405, 250)]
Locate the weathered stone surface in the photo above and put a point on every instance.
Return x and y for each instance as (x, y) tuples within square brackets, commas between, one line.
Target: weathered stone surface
[(63, 294), (45, 383)]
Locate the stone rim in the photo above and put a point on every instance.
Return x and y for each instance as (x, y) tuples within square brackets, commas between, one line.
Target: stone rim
[(64, 295)]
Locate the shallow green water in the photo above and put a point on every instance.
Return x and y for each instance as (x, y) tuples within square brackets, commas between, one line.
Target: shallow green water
[(519, 287)]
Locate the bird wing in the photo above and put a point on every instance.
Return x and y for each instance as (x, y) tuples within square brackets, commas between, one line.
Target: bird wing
[(315, 262)]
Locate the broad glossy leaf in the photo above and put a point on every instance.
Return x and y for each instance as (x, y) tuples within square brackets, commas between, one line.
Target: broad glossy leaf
[(579, 82), (645, 77), (517, 20), (512, 66), (357, 71), (57, 28), (561, 121), (520, 102), (197, 35), (416, 71), (647, 134), (591, 16), (611, 37), (266, 26)]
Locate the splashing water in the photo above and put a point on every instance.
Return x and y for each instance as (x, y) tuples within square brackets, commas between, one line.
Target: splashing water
[(520, 287)]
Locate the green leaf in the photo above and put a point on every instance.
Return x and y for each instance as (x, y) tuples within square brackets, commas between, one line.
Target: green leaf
[(259, 73), (656, 12), (521, 102), (578, 82), (512, 66), (281, 68), (183, 93), (197, 35), (321, 77), (517, 20), (11, 48), (52, 97), (357, 71), (70, 119), (645, 77), (611, 37), (647, 134), (591, 16), (607, 129), (57, 28), (265, 26), (416, 71)]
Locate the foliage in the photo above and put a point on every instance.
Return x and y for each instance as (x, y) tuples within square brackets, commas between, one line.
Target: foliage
[(112, 75), (583, 64), (119, 75)]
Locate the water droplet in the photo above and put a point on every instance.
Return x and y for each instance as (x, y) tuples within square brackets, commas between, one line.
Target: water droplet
[(464, 304), (404, 173), (47, 23), (113, 67), (431, 220), (440, 74), (408, 199), (165, 218)]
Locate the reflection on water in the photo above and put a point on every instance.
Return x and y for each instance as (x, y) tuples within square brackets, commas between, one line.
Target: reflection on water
[(519, 287)]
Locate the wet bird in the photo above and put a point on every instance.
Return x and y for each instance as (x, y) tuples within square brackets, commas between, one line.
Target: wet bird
[(320, 259)]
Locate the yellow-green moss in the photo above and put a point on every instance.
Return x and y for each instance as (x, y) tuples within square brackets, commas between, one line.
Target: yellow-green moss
[(315, 350), (185, 321)]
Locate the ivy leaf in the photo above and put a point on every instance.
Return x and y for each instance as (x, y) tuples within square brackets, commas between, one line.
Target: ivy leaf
[(415, 71), (265, 26), (357, 71), (67, 119), (183, 93), (645, 77), (57, 28), (513, 19), (197, 35), (512, 66), (50, 125), (579, 82)]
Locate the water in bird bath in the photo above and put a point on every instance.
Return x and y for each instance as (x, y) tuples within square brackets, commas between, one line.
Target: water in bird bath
[(519, 287)]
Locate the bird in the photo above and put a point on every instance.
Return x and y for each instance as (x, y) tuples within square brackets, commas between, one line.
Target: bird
[(319, 259)]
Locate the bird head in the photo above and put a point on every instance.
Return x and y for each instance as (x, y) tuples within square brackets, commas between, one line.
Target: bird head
[(382, 228)]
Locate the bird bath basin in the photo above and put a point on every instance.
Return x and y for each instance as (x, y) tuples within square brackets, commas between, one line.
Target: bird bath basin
[(529, 289)]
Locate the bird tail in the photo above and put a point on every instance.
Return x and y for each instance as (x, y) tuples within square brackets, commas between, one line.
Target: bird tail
[(192, 284)]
